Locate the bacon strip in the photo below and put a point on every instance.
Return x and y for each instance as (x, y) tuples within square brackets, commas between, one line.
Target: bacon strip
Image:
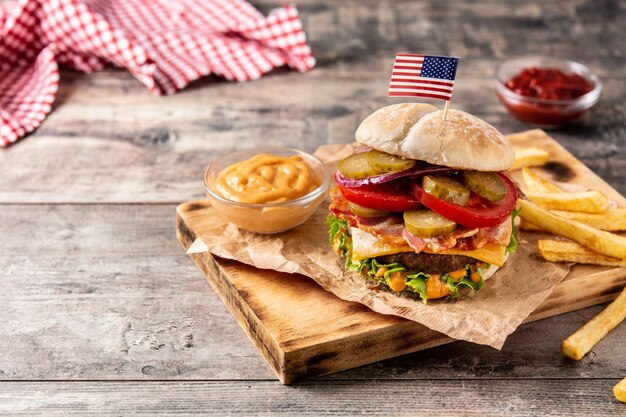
[(414, 242), (439, 243), (500, 235)]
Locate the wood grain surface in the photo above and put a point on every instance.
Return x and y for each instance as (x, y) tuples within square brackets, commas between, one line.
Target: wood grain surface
[(338, 397), (101, 312)]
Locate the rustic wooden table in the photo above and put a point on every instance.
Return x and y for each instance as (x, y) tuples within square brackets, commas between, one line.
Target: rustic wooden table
[(101, 312)]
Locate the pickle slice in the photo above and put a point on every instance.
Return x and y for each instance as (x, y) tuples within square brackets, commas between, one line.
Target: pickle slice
[(446, 189), (366, 211), (356, 167), (383, 162), (427, 223), (485, 184)]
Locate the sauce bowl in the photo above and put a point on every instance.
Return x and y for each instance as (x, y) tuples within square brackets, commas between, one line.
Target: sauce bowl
[(543, 112), (271, 217)]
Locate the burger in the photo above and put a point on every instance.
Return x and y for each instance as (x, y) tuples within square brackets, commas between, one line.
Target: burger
[(422, 207)]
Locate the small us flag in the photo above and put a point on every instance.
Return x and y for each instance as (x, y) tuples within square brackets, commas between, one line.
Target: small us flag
[(416, 75)]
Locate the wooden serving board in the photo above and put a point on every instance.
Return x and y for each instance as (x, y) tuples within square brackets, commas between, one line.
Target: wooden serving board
[(302, 330)]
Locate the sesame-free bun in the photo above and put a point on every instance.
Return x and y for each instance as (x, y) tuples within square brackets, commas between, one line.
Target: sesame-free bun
[(418, 131), (492, 270)]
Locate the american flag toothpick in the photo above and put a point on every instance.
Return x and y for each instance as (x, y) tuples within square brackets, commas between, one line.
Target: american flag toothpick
[(417, 75)]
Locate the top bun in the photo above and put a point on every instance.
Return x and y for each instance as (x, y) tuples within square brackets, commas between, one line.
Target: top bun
[(418, 131)]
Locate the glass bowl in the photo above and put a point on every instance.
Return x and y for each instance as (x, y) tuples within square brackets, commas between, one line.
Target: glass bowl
[(271, 217), (543, 112)]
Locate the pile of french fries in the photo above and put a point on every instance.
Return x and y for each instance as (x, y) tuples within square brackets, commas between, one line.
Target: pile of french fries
[(587, 219)]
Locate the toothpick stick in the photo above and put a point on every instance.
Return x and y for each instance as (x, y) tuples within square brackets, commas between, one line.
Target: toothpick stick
[(445, 110)]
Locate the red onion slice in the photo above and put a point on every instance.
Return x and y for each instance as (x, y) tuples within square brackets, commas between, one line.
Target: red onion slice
[(417, 171), (362, 149)]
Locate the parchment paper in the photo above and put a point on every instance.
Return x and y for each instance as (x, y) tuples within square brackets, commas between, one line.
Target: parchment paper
[(486, 317)]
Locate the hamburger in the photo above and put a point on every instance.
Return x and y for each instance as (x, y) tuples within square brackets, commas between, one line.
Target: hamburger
[(422, 207)]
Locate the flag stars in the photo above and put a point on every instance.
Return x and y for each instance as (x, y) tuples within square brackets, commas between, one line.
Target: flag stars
[(439, 67)]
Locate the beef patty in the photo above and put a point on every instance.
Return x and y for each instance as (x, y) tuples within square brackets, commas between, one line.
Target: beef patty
[(427, 262)]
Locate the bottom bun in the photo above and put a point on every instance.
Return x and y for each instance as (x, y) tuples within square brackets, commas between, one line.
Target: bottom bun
[(489, 272), (492, 269)]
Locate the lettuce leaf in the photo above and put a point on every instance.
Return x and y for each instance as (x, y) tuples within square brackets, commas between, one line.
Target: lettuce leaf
[(371, 266), (465, 281), (417, 283), (512, 246), (337, 233), (341, 242)]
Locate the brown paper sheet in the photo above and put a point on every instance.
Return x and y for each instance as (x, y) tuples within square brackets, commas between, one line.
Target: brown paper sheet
[(486, 317)]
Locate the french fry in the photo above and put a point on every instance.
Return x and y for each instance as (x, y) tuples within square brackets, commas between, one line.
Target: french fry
[(620, 391), (611, 220), (529, 157), (599, 241), (561, 251), (535, 183), (584, 339), (586, 201)]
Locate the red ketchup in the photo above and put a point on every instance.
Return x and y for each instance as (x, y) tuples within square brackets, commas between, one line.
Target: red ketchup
[(546, 84)]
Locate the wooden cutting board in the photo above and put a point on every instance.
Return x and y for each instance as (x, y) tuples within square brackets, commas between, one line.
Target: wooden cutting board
[(302, 330)]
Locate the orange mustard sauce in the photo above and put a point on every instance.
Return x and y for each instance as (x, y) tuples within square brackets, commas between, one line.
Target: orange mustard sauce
[(458, 274), (267, 178), (435, 288), (397, 281)]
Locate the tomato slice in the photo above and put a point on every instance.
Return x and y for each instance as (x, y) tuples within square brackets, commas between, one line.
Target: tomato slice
[(478, 213), (393, 196)]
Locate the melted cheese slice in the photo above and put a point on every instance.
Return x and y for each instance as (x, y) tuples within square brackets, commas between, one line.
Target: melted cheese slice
[(366, 245)]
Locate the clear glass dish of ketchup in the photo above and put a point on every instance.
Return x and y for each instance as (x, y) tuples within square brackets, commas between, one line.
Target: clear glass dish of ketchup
[(546, 92)]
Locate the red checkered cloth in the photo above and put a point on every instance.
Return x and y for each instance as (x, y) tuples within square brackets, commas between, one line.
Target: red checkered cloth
[(165, 44)]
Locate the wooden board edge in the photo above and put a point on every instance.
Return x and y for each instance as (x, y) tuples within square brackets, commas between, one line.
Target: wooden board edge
[(241, 311), (293, 365), (359, 350)]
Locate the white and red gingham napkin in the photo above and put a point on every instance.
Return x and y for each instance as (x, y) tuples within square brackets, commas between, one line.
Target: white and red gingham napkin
[(165, 44)]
